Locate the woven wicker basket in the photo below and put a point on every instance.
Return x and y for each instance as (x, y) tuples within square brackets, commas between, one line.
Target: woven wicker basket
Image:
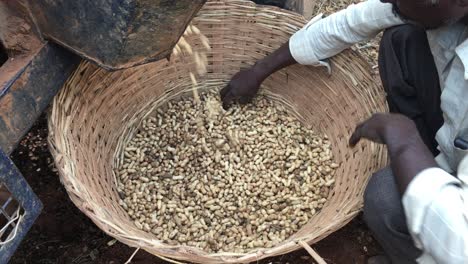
[(98, 111)]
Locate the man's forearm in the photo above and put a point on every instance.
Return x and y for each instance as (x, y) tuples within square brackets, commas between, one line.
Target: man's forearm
[(408, 154), (409, 157), (276, 61)]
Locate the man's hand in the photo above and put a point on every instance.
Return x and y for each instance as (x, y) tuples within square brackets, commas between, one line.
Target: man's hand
[(242, 87), (408, 153), (389, 129), (245, 84)]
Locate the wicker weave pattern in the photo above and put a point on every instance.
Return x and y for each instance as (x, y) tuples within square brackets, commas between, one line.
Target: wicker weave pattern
[(98, 111)]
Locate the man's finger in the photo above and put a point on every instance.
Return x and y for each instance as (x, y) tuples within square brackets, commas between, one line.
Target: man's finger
[(227, 100), (224, 91), (245, 99), (226, 96), (356, 136)]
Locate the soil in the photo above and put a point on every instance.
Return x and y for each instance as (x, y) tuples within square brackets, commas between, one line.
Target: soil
[(62, 234), (16, 32), (18, 41)]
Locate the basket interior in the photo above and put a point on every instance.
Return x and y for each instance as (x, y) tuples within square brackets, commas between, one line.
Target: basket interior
[(97, 112)]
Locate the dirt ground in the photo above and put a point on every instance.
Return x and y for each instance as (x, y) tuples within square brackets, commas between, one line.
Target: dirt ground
[(62, 234)]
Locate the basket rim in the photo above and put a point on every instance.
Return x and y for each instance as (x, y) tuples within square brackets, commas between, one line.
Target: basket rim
[(185, 253)]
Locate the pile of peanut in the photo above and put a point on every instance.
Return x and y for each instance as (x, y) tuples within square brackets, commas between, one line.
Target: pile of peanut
[(224, 181)]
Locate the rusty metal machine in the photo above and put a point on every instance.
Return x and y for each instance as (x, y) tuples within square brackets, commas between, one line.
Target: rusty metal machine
[(115, 34), (41, 43)]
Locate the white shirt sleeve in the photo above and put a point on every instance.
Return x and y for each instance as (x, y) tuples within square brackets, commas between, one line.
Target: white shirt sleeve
[(436, 208), (331, 35)]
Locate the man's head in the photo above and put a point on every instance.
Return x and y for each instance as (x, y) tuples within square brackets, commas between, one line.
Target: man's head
[(431, 13)]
